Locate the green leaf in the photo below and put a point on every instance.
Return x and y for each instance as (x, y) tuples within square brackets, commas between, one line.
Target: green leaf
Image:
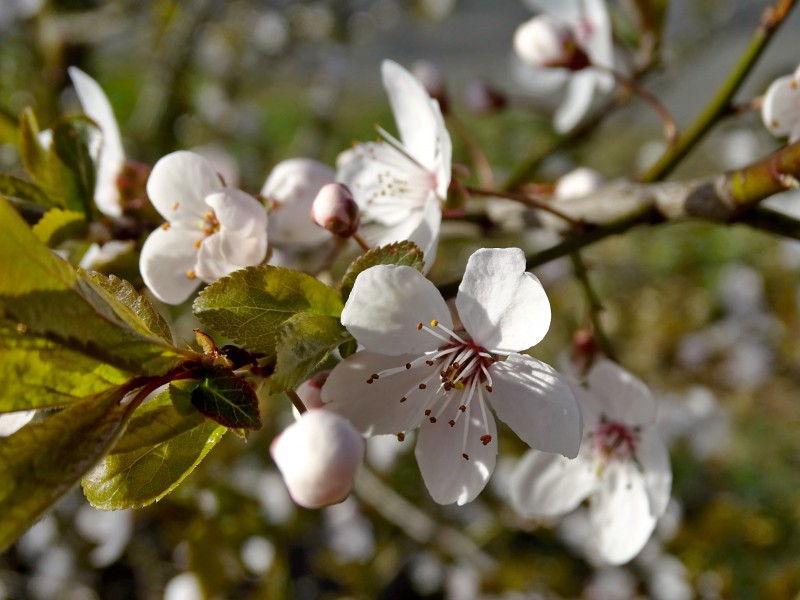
[(47, 298), (9, 127), (38, 373), (18, 189), (159, 449), (250, 305), (43, 461), (58, 225), (180, 393), (34, 156), (227, 399), (399, 253), (71, 167), (304, 343)]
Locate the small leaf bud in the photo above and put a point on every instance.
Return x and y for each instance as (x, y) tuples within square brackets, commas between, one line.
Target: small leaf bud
[(318, 456), (335, 209), (543, 42)]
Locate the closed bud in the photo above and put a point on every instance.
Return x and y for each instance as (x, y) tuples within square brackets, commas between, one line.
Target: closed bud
[(335, 209), (543, 42), (578, 183), (318, 456), (310, 392)]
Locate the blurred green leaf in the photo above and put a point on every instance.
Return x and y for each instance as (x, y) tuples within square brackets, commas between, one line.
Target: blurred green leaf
[(58, 225), (43, 461), (304, 343), (71, 165), (33, 155), (38, 373), (159, 449), (399, 253), (18, 189), (9, 127), (45, 296), (250, 305), (227, 399)]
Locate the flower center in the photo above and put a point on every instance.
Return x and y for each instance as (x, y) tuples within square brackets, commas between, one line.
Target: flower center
[(614, 440), (454, 383)]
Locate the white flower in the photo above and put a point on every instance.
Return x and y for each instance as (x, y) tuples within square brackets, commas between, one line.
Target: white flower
[(12, 422), (398, 184), (111, 155), (590, 25), (318, 456), (291, 188), (780, 109), (623, 467), (416, 371), (211, 230)]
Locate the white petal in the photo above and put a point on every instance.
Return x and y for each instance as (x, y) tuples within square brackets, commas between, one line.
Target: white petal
[(179, 184), (212, 264), (448, 476), (620, 395), (413, 113), (780, 109), (549, 485), (653, 457), (502, 307), (386, 305), (318, 456), (599, 44), (112, 156), (12, 422), (620, 513), (293, 184), (576, 103), (375, 408), (537, 404), (444, 154), (238, 211), (166, 258)]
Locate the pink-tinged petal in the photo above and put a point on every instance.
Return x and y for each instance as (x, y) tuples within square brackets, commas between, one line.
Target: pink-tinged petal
[(179, 184), (112, 156), (413, 113), (545, 485), (448, 476), (780, 109), (318, 456), (375, 408), (167, 257), (620, 395), (653, 457), (620, 513), (576, 102), (502, 307), (598, 42), (537, 404), (292, 185), (385, 307)]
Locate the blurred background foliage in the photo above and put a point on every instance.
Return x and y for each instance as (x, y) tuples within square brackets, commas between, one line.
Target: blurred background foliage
[(708, 316)]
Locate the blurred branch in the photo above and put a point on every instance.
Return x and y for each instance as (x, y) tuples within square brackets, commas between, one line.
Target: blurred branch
[(595, 306), (771, 19)]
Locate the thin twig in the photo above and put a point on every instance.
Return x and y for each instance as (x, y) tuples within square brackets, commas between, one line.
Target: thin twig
[(527, 200), (594, 305)]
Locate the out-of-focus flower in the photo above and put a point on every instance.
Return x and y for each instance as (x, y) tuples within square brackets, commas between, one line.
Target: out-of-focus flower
[(110, 154), (318, 456), (623, 467), (399, 184), (780, 109), (211, 230), (584, 68), (415, 371), (290, 189), (12, 422)]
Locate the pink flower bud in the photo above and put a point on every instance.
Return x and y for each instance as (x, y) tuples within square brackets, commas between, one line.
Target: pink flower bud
[(335, 209), (543, 42), (318, 457), (310, 392)]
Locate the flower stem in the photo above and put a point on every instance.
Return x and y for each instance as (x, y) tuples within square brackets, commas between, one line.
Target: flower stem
[(771, 18), (361, 242), (595, 306)]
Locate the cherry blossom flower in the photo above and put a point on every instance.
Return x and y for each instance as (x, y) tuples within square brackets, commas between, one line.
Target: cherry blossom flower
[(291, 188), (416, 370), (211, 230), (398, 184), (780, 109), (318, 456), (623, 467), (110, 156), (586, 24)]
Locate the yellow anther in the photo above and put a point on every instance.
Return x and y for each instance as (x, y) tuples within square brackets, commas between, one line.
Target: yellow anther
[(434, 323), (190, 274)]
